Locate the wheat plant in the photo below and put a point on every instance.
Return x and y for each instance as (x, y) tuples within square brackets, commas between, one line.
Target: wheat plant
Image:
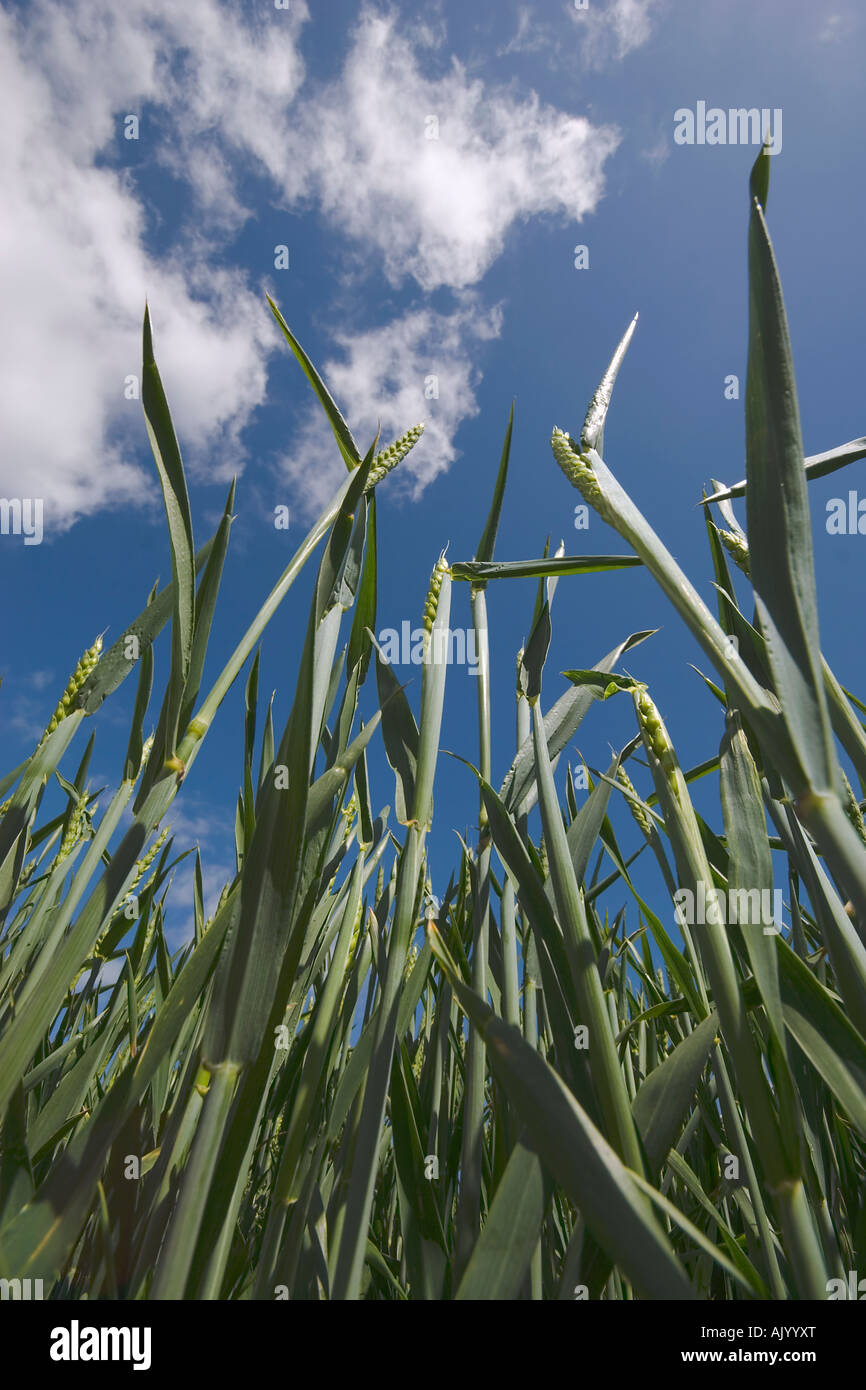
[(527, 1083)]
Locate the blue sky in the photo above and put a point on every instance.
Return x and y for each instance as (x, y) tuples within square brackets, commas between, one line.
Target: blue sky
[(408, 257)]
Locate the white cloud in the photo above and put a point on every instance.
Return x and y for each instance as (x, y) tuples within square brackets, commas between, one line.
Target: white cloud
[(191, 824), (658, 152), (180, 914), (40, 679), (438, 209), (74, 269), (530, 36), (609, 30), (612, 32), (108, 975), (220, 94), (382, 378), (836, 27)]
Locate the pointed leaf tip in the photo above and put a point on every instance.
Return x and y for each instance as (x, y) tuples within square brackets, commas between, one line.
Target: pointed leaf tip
[(759, 178), (592, 434), (487, 543)]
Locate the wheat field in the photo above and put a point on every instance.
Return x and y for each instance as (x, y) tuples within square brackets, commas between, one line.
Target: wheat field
[(354, 1082)]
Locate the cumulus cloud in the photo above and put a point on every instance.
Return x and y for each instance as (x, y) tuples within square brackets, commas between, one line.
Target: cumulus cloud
[(422, 168), (418, 367), (432, 171), (74, 268)]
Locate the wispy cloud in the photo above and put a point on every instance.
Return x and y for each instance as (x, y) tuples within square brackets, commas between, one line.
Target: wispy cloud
[(418, 367), (39, 679), (836, 27), (607, 31), (610, 32), (528, 37), (26, 710), (180, 917), (193, 825), (658, 152)]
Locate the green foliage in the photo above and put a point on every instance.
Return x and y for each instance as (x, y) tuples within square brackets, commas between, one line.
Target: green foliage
[(343, 1087)]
